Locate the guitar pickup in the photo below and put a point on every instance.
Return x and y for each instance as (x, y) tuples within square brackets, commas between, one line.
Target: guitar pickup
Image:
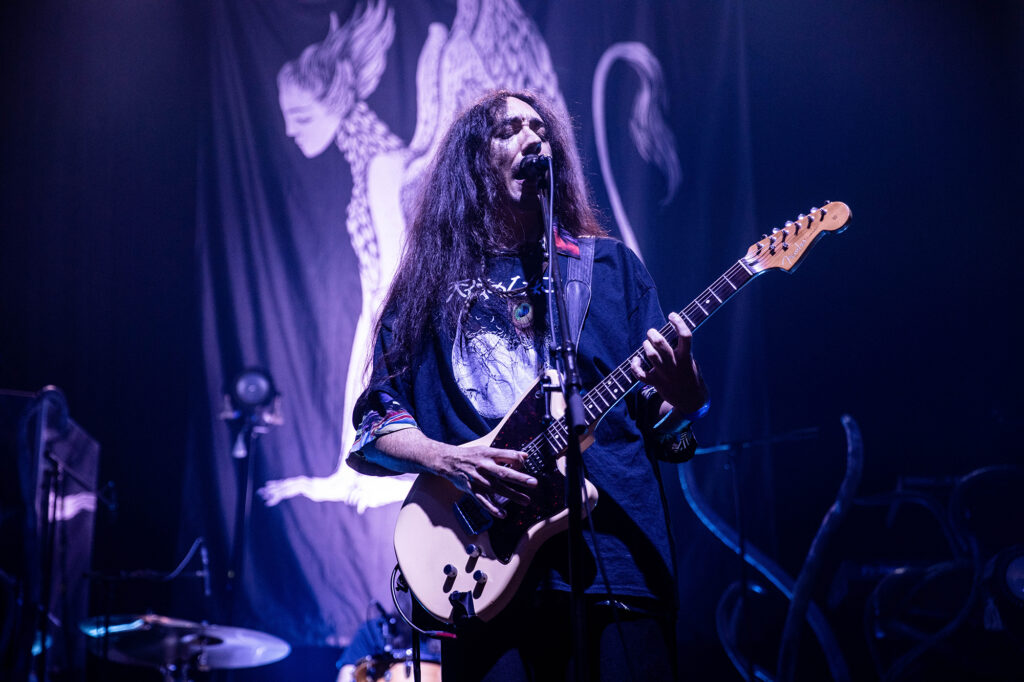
[(472, 516)]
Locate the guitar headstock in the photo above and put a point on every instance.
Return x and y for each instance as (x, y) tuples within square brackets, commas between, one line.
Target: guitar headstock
[(786, 246)]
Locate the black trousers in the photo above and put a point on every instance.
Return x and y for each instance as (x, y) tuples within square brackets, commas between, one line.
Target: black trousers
[(532, 642)]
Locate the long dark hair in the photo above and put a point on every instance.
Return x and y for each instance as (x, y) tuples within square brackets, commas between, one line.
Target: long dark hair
[(461, 215)]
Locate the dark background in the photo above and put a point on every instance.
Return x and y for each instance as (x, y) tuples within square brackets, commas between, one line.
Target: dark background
[(910, 112)]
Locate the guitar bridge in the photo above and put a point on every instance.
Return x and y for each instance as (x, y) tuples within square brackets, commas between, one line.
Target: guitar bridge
[(472, 516)]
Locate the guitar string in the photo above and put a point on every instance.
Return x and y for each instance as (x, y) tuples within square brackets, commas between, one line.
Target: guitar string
[(556, 433), (742, 271)]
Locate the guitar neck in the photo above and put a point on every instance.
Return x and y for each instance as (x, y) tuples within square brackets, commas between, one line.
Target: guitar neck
[(602, 397)]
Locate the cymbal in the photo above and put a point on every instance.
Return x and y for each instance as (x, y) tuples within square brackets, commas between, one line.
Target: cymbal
[(166, 643)]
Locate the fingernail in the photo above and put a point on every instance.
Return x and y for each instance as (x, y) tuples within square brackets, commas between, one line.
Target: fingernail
[(531, 481)]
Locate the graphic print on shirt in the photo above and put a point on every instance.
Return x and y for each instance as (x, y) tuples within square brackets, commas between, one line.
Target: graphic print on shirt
[(500, 343)]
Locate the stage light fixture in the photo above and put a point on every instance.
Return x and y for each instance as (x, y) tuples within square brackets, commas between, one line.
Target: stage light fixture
[(253, 388)]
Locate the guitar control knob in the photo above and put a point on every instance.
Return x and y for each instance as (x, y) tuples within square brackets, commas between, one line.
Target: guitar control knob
[(473, 551), (480, 577), (450, 570)]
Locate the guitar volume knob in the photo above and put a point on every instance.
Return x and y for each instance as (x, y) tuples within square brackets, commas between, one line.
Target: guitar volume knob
[(473, 551), (480, 577), (450, 570)]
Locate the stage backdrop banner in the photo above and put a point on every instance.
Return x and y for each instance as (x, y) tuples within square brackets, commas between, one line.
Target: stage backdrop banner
[(323, 117)]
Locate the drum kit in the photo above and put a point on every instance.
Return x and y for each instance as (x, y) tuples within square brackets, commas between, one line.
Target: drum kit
[(392, 668), (179, 647), (385, 650)]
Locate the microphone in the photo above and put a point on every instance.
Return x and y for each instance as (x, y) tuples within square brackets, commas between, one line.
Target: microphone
[(533, 167), (204, 558)]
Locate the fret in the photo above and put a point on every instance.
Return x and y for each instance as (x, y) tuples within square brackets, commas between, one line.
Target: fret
[(698, 318), (723, 294), (607, 392)]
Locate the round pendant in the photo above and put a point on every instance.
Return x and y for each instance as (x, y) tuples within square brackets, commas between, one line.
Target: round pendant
[(522, 315)]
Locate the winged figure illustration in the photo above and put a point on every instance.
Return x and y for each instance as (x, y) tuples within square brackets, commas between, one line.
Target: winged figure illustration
[(322, 94)]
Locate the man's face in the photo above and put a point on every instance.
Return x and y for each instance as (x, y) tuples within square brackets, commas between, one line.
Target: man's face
[(520, 133)]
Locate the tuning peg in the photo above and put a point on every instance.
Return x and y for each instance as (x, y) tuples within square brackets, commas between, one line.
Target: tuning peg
[(775, 230), (794, 226)]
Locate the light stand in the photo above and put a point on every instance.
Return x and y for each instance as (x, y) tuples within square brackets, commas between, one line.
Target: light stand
[(252, 405)]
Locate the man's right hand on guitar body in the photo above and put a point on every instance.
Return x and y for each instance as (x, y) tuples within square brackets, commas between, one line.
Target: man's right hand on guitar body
[(482, 471)]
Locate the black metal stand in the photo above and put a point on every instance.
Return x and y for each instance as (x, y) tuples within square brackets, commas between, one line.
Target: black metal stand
[(245, 442), (571, 384)]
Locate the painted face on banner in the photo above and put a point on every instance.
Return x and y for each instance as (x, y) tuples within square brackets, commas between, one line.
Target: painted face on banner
[(521, 132), (307, 120)]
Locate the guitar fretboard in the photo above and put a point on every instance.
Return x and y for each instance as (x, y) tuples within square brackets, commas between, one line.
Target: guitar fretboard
[(620, 381)]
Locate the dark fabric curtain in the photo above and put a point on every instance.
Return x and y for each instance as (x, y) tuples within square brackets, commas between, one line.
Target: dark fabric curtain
[(322, 118)]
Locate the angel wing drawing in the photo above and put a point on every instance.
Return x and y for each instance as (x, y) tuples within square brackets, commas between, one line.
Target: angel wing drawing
[(322, 94)]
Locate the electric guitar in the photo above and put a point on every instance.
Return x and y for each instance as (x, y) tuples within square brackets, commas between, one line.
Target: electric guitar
[(457, 559)]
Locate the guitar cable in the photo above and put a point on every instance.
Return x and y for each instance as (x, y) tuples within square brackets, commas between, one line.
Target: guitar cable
[(613, 603), (433, 634)]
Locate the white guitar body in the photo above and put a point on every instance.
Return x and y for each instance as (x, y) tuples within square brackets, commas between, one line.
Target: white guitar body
[(430, 538)]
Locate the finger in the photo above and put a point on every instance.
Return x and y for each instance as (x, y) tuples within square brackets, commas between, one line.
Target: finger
[(475, 479), (659, 343), (651, 354), (489, 506), (512, 494), (507, 456), (638, 369), (510, 476), (683, 331)]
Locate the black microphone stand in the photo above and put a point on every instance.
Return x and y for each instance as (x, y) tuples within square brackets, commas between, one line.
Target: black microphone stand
[(568, 370)]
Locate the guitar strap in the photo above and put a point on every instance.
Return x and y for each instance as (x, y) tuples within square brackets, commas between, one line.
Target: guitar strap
[(577, 286)]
